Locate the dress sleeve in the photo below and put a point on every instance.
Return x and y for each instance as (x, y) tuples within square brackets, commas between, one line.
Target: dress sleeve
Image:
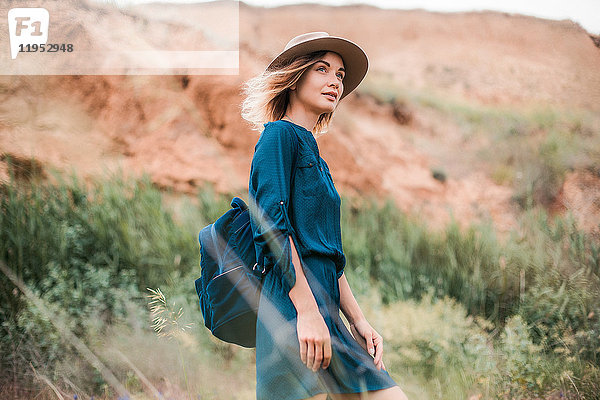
[(269, 192)]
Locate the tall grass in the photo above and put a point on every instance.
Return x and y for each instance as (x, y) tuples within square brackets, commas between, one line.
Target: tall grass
[(88, 250), (526, 309), (397, 250), (547, 274)]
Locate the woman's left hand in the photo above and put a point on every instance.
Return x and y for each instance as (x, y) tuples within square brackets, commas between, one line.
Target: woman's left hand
[(370, 340)]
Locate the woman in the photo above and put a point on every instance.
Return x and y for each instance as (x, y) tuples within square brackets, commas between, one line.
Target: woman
[(303, 349)]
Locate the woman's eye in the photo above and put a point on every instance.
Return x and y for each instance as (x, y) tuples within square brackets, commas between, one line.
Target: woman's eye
[(339, 74)]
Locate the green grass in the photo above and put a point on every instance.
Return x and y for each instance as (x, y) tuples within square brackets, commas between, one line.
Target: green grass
[(548, 273), (462, 313)]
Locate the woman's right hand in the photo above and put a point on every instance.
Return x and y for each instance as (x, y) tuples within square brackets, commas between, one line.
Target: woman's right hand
[(315, 341)]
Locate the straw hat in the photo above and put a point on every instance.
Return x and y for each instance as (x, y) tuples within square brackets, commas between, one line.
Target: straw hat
[(355, 59)]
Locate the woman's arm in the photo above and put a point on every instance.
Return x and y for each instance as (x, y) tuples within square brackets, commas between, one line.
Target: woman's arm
[(348, 303), (313, 333), (362, 331), (301, 294)]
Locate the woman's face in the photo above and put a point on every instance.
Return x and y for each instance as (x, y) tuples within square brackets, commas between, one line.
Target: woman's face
[(320, 87)]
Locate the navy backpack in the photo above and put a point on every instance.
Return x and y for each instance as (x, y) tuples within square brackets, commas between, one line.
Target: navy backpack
[(230, 279)]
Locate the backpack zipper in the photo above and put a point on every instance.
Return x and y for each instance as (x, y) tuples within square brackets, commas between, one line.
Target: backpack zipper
[(226, 272)]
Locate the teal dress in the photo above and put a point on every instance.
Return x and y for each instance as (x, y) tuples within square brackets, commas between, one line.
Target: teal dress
[(292, 193)]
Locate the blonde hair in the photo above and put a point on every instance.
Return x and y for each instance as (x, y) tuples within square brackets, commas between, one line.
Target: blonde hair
[(267, 95)]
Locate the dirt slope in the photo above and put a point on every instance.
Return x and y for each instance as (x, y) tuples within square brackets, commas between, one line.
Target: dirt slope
[(186, 130)]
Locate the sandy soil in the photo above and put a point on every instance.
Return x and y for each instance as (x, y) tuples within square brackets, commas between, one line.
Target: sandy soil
[(187, 130)]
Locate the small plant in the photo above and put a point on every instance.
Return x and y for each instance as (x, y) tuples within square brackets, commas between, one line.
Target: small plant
[(166, 322), (165, 319), (439, 174), (522, 361)]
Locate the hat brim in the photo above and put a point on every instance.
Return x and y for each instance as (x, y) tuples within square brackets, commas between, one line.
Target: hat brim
[(355, 59)]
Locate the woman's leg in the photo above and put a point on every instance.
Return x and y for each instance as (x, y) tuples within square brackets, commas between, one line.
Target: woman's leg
[(393, 393)]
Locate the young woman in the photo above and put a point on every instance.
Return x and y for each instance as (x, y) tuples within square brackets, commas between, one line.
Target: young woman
[(303, 348)]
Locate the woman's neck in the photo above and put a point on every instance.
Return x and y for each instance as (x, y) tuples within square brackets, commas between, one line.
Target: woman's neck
[(304, 121)]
